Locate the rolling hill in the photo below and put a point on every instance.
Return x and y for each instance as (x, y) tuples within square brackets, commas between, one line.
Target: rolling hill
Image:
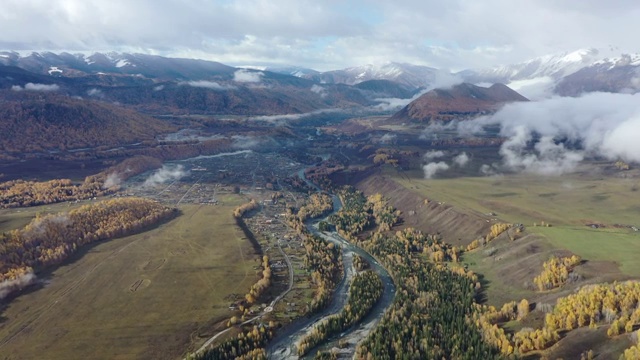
[(460, 100)]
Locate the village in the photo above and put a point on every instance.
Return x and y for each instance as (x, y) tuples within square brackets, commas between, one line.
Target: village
[(270, 179)]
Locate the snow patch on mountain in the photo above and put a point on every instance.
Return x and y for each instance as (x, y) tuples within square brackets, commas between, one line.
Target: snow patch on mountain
[(622, 60), (122, 63), (54, 69)]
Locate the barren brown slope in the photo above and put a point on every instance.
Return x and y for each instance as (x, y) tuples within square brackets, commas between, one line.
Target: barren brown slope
[(460, 99), (458, 226)]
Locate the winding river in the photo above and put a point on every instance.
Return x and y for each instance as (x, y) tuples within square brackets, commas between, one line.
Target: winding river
[(284, 345)]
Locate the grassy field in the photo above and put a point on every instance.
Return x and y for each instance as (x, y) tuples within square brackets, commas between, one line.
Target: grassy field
[(621, 246), (573, 199), (17, 218), (151, 295), (569, 203)]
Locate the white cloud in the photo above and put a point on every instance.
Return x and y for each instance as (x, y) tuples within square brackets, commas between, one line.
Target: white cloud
[(431, 169), (553, 136), (319, 90), (22, 281), (94, 92), (247, 76), (282, 119), (434, 154), (246, 141), (165, 174), (207, 85), (36, 87), (388, 138), (461, 159), (325, 34), (112, 181), (534, 89), (488, 170)]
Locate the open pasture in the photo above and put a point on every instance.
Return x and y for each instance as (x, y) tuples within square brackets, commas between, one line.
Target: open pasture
[(157, 294)]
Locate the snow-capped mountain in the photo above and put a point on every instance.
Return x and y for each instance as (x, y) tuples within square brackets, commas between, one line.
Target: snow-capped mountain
[(567, 74), (151, 66), (553, 66), (415, 76), (615, 74), (296, 71)]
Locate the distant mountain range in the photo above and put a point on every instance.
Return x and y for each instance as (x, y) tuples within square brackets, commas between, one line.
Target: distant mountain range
[(69, 101), (568, 73), (48, 87)]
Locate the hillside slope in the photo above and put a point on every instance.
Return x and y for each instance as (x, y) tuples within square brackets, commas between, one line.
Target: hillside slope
[(37, 121), (460, 100)]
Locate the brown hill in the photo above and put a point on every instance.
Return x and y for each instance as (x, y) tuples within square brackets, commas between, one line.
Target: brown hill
[(38, 121), (459, 101)]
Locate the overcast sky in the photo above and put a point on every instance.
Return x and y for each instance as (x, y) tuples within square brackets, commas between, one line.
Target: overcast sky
[(324, 34)]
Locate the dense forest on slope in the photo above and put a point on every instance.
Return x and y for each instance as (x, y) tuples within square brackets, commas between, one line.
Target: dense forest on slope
[(39, 121), (50, 239)]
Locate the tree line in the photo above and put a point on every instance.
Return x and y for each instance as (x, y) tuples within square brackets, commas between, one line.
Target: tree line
[(245, 208), (50, 239)]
